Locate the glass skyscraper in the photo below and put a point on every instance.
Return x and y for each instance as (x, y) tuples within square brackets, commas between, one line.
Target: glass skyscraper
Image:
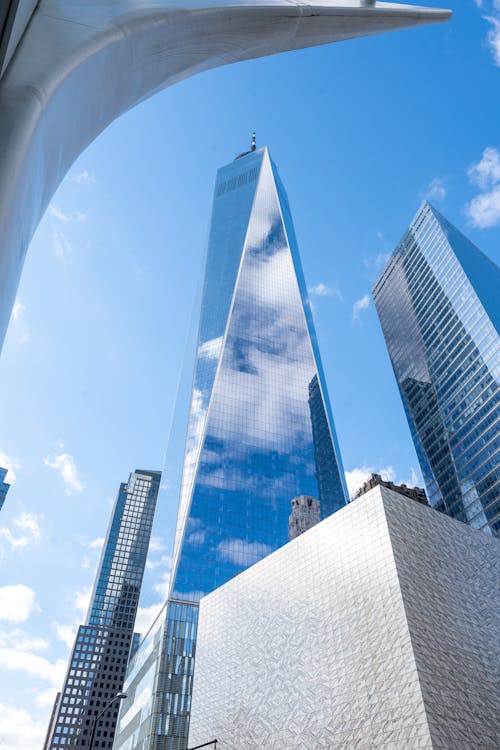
[(438, 301), (260, 433), (4, 487), (100, 655)]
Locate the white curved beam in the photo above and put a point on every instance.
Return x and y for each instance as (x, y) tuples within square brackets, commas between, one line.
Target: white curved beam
[(82, 63)]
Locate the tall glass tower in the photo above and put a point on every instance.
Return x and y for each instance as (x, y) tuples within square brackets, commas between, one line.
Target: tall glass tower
[(438, 303), (260, 434), (100, 655), (4, 487)]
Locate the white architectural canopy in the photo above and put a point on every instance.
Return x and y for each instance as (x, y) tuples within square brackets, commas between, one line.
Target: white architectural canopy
[(69, 67)]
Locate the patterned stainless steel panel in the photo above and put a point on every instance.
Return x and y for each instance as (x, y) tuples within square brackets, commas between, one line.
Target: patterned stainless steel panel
[(378, 628)]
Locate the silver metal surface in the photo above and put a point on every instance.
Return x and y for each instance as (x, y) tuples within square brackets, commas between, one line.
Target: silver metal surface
[(377, 628), (82, 63)]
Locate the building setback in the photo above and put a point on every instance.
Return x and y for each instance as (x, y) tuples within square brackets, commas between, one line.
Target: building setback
[(100, 655), (438, 304), (259, 432)]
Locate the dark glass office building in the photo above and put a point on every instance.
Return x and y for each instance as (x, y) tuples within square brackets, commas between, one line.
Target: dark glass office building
[(4, 487), (100, 655), (260, 434), (438, 301)]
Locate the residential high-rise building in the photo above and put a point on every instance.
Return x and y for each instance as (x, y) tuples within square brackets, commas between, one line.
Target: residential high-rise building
[(259, 407), (100, 655), (438, 304), (306, 513), (4, 487)]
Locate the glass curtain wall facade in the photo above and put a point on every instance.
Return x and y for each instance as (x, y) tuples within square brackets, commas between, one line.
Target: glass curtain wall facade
[(260, 433), (100, 655), (438, 304), (4, 487)]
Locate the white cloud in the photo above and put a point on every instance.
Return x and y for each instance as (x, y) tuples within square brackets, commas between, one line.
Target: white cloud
[(17, 317), (56, 213), (62, 246), (65, 463), (46, 697), (19, 731), (96, 543), (493, 37), (164, 560), (415, 479), (66, 633), (16, 603), (320, 289), (484, 209), (146, 616), (22, 641), (155, 544), (436, 190), (486, 172), (162, 587), (376, 261), (11, 464), (491, 14), (81, 600), (83, 177), (323, 290), (241, 552), (28, 522), (359, 306), (15, 660), (18, 311), (28, 525)]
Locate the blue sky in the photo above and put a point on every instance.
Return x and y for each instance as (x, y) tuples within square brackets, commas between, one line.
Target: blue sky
[(361, 132)]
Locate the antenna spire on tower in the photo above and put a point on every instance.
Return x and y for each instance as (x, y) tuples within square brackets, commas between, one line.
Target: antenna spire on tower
[(254, 142)]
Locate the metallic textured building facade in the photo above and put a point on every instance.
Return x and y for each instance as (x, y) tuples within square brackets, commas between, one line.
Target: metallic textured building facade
[(259, 432), (378, 628), (101, 652), (438, 303)]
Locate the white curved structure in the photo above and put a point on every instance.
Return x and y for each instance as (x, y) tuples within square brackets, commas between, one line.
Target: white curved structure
[(79, 64)]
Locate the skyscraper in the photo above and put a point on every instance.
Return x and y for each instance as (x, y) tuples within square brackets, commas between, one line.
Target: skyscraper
[(438, 304), (100, 655), (4, 487), (258, 409)]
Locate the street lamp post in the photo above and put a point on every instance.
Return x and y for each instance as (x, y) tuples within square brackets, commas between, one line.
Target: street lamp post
[(118, 697)]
